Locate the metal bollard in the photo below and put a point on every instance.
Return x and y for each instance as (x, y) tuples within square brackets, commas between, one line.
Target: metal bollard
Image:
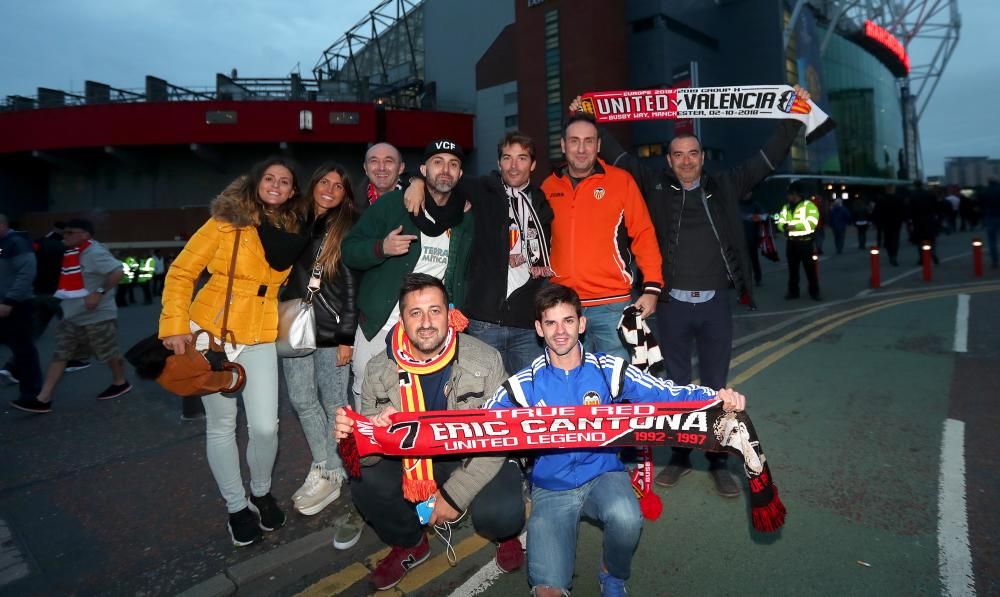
[(876, 273), (925, 257), (977, 257)]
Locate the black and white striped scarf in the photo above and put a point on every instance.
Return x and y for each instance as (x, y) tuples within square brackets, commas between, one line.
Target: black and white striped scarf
[(534, 246)]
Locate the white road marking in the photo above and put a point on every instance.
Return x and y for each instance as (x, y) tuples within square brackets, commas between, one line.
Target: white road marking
[(962, 324), (954, 553), (484, 578)]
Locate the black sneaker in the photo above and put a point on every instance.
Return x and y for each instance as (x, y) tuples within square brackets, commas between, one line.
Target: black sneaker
[(115, 391), (31, 405), (74, 365), (243, 527), (266, 507)]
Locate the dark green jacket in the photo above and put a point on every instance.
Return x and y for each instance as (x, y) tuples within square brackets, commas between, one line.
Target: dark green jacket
[(362, 250)]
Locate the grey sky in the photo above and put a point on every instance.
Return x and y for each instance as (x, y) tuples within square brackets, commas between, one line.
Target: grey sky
[(62, 43)]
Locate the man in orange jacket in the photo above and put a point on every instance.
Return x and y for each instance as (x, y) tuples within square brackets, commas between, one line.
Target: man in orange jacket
[(600, 230)]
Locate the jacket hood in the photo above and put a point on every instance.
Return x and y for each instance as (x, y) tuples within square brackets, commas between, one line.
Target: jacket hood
[(226, 207)]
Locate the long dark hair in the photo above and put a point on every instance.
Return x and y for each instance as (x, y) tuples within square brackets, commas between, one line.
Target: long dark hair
[(338, 219), (287, 216)]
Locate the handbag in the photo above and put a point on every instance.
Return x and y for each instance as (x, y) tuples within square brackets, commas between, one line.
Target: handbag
[(197, 373), (297, 319)]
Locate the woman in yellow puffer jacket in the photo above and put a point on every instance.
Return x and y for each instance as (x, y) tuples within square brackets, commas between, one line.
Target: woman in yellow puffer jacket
[(266, 206)]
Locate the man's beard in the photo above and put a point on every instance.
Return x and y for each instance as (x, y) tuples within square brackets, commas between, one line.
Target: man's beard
[(440, 187), (428, 346)]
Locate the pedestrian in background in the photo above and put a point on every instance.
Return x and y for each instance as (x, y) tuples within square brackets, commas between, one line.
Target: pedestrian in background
[(89, 325), (989, 199), (840, 217), (266, 208), (319, 383), (17, 272)]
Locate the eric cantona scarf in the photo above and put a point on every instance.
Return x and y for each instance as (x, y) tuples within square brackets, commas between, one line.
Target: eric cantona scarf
[(700, 425)]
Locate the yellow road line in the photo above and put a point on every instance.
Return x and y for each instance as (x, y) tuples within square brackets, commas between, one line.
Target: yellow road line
[(438, 565), (336, 583)]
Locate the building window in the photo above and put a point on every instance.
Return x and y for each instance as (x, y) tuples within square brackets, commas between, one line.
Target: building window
[(220, 117), (510, 121), (344, 117), (510, 98), (651, 150), (553, 83)]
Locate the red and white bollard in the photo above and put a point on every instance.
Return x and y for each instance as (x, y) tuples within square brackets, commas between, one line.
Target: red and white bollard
[(977, 257), (876, 273), (925, 259)]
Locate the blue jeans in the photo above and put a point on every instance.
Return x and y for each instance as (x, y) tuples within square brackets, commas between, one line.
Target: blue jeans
[(518, 346), (602, 329), (555, 520), (316, 389), (260, 400)]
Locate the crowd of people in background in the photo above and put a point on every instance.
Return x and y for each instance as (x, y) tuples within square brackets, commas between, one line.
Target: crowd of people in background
[(467, 292)]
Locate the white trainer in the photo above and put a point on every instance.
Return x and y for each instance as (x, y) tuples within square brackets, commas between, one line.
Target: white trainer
[(314, 476), (320, 495)]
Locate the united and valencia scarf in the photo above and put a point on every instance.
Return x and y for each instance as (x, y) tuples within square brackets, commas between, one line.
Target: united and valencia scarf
[(755, 101), (71, 274), (527, 242), (418, 473)]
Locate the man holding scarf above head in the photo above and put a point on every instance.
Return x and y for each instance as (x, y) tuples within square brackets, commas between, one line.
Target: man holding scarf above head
[(698, 225), (510, 250), (428, 366), (387, 243)]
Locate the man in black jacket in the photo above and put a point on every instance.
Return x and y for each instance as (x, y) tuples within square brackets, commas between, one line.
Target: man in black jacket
[(510, 257), (700, 232)]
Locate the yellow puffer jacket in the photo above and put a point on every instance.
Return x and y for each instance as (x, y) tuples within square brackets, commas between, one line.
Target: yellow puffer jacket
[(253, 313)]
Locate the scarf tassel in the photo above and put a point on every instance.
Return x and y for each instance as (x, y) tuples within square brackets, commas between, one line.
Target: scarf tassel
[(418, 490), (457, 319), (771, 516), (348, 448), (651, 506)]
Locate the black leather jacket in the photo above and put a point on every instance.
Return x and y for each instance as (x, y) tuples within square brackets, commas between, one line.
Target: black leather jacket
[(336, 302)]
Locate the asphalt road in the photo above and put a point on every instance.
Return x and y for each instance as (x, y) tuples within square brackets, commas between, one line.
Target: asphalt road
[(857, 400)]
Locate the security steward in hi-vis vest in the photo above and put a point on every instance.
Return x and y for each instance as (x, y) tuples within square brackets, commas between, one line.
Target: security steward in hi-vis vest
[(124, 290), (145, 275), (798, 219)]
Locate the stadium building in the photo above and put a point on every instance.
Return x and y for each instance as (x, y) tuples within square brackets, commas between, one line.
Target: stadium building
[(143, 164)]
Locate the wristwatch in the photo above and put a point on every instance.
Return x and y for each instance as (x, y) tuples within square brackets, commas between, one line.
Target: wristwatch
[(100, 291)]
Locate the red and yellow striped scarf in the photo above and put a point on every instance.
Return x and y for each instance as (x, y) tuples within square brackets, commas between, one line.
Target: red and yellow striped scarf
[(418, 473)]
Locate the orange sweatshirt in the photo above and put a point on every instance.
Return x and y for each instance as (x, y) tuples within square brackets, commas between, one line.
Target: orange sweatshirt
[(593, 225)]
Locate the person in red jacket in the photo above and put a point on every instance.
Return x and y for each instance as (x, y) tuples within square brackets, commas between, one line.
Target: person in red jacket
[(600, 230)]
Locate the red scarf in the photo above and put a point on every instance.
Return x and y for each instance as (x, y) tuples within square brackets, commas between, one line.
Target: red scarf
[(418, 473), (71, 274), (699, 425)]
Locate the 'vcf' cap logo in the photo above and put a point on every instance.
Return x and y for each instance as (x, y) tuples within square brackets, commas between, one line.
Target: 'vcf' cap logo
[(444, 146)]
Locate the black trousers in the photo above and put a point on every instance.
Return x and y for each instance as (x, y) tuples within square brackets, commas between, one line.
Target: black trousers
[(890, 240), (800, 255), (497, 511), (706, 327), (16, 332)]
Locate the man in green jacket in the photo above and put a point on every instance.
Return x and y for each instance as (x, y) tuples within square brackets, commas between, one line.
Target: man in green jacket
[(388, 243)]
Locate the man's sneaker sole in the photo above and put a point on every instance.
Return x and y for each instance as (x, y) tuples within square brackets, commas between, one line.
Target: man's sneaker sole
[(343, 545), (8, 378), (31, 410), (318, 507), (659, 480), (76, 368), (120, 393), (413, 565)]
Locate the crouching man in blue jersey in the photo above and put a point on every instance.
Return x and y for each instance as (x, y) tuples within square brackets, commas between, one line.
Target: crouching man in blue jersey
[(568, 484)]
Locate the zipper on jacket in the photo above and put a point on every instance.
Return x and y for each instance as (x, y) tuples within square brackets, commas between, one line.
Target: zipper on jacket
[(711, 222)]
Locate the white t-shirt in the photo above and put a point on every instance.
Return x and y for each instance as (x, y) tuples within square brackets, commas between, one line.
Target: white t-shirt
[(433, 261)]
